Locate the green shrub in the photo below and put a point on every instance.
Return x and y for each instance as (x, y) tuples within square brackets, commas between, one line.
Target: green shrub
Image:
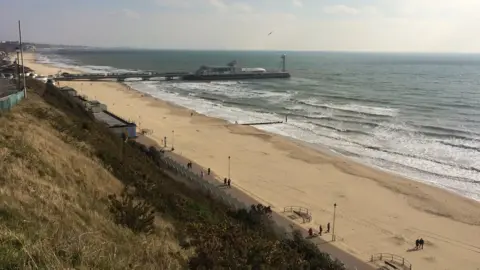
[(137, 216)]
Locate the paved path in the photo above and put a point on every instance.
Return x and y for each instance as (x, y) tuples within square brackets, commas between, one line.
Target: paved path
[(349, 260)]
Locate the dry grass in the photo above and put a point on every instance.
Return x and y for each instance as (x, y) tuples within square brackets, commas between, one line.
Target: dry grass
[(53, 207)]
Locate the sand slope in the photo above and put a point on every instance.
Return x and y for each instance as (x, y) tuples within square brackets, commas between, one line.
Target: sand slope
[(377, 212)]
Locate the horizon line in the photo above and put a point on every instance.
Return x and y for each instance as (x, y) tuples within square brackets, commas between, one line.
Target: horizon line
[(250, 50)]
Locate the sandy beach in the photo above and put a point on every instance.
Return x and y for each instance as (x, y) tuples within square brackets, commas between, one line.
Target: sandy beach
[(377, 212)]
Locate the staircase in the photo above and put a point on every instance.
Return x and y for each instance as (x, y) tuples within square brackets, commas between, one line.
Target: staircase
[(387, 261)]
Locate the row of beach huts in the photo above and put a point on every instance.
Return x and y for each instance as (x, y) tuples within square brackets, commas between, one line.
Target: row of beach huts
[(99, 110)]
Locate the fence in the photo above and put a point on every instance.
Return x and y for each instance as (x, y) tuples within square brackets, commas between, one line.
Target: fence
[(7, 103), (211, 188), (392, 258)]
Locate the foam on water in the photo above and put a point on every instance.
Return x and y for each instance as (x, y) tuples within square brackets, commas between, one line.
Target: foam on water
[(353, 108), (209, 108), (227, 89), (371, 134)]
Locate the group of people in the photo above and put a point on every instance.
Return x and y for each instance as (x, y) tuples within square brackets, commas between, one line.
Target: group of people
[(320, 230), (201, 172), (226, 182), (419, 243)]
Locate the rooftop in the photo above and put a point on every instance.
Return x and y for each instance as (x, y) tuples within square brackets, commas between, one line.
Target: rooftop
[(110, 119)]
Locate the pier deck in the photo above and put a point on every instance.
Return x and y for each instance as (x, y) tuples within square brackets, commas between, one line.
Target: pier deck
[(184, 76), (120, 76)]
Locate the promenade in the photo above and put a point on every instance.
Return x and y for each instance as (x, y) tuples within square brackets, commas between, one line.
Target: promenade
[(350, 261)]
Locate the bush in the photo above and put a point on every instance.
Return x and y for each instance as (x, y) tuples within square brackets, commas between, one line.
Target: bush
[(137, 216)]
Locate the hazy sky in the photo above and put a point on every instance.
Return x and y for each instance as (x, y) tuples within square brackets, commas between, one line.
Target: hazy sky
[(349, 25)]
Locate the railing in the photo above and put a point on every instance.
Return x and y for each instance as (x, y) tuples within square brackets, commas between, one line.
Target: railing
[(302, 211), (210, 188), (392, 258)]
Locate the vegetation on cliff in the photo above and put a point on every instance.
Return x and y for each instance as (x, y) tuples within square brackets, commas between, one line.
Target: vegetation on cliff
[(75, 195)]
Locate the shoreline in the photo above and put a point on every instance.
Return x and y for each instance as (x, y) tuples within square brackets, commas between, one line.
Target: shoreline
[(358, 232), (324, 149)]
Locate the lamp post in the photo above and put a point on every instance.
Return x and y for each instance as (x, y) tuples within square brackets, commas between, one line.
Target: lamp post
[(17, 50), (173, 139), (333, 228), (228, 167), (23, 66)]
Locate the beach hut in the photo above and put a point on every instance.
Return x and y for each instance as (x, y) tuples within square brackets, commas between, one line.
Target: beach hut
[(69, 91)]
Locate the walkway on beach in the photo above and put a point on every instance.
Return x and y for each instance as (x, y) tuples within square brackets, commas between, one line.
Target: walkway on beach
[(349, 260)]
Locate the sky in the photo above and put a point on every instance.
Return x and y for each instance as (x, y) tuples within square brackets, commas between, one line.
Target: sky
[(318, 25)]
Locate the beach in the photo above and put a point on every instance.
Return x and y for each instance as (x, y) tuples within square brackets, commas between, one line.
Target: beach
[(377, 212)]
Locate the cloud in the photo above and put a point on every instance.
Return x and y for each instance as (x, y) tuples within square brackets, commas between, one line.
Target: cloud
[(174, 3), (340, 9), (223, 6), (128, 13), (242, 7), (219, 4), (298, 3), (381, 25)]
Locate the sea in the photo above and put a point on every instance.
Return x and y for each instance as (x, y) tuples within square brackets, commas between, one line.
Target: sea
[(417, 115)]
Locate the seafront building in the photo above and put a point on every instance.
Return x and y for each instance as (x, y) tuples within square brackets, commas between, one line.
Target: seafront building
[(99, 110)]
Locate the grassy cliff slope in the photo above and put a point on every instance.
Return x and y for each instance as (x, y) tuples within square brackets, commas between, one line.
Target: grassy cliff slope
[(53, 200), (74, 195)]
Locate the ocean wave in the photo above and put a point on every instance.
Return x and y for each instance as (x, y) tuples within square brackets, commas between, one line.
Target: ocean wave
[(396, 146), (418, 163), (353, 108), (463, 146), (230, 90), (449, 130)]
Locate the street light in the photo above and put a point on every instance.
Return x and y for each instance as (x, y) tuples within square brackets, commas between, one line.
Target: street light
[(23, 66), (173, 138), (17, 50), (228, 167), (333, 228)]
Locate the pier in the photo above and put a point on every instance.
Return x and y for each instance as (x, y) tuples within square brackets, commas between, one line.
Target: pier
[(204, 73), (183, 76), (120, 77)]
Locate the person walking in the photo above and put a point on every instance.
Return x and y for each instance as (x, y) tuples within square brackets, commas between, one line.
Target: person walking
[(225, 181), (421, 242), (228, 182), (208, 171), (320, 230), (328, 227)]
